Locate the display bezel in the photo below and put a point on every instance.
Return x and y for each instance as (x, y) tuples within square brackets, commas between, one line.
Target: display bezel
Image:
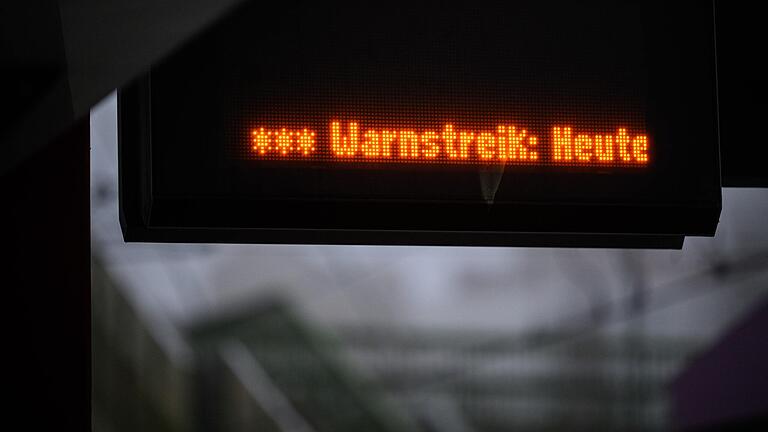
[(628, 220)]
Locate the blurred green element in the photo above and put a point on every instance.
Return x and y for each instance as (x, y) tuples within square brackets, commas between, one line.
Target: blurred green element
[(263, 368), (259, 370), (292, 373), (135, 384)]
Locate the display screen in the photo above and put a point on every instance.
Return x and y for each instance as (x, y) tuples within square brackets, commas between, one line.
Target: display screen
[(492, 110)]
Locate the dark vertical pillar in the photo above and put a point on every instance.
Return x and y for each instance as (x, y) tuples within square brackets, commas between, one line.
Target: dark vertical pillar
[(45, 222), (741, 84)]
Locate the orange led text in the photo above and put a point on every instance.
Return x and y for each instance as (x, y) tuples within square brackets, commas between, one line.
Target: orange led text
[(504, 144)]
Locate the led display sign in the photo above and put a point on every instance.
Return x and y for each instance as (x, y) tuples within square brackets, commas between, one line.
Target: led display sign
[(507, 144), (542, 123)]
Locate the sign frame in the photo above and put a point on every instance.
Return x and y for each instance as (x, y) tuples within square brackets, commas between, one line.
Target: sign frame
[(147, 216)]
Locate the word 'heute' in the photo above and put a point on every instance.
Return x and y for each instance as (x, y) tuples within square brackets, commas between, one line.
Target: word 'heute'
[(507, 143)]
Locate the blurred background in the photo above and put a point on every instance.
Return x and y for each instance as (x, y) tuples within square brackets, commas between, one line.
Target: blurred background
[(331, 338)]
